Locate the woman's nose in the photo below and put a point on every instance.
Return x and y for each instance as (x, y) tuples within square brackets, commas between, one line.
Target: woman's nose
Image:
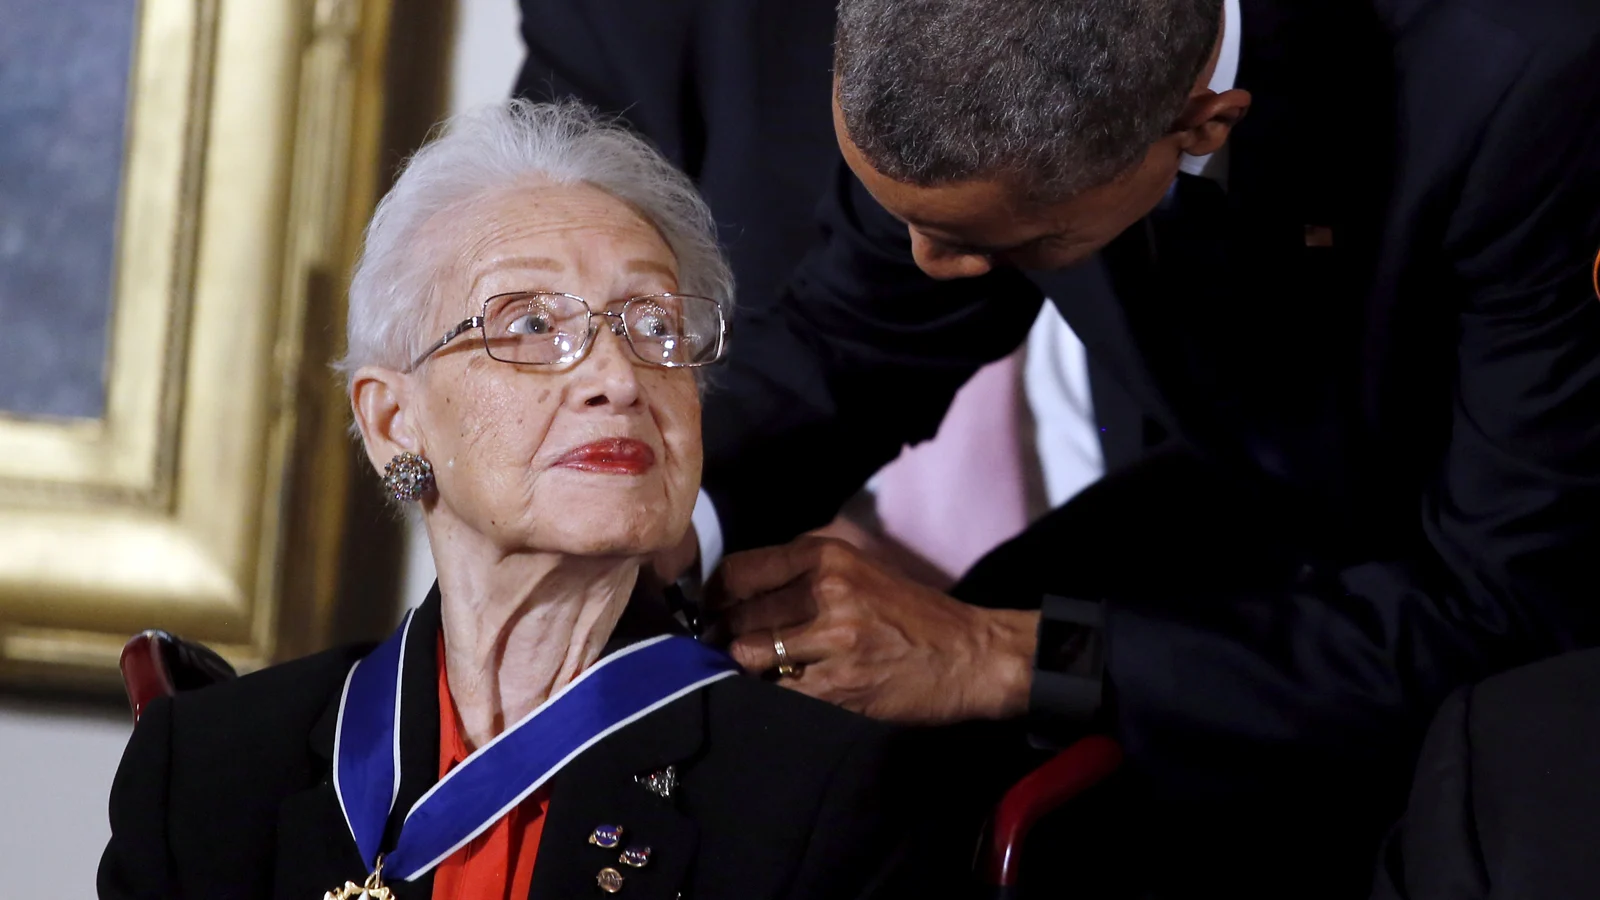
[(939, 261), (606, 376)]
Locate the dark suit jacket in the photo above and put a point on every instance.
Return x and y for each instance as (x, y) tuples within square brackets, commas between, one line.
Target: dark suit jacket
[(734, 92), (1381, 464), (227, 792), (1507, 796)]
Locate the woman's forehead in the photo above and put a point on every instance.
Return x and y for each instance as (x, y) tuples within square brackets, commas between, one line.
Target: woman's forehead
[(575, 230)]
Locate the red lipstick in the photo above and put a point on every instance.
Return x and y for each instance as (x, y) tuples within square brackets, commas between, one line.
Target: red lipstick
[(610, 456)]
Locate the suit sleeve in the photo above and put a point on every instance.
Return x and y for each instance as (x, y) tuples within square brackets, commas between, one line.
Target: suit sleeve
[(624, 57), (136, 864), (1433, 853), (861, 355), (1335, 675)]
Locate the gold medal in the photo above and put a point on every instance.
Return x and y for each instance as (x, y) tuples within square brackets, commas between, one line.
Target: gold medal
[(373, 889)]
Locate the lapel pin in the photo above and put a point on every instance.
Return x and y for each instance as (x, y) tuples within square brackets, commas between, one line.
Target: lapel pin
[(635, 857), (662, 782), (609, 879), (607, 836)]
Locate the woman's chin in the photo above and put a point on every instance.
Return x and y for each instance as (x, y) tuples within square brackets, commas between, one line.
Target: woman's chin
[(601, 543)]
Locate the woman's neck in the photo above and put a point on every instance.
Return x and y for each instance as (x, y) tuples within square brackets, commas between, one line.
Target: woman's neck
[(519, 627)]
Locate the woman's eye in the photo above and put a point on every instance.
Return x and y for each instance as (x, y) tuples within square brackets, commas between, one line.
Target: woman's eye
[(653, 325), (530, 323), (655, 321)]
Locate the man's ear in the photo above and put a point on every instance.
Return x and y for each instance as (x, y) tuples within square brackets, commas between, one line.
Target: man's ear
[(1203, 126), (380, 399)]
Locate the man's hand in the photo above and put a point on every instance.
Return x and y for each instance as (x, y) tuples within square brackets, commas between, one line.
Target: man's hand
[(872, 641)]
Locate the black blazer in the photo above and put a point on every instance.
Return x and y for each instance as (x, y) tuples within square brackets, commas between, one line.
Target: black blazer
[(1507, 797), (1387, 469), (227, 792)]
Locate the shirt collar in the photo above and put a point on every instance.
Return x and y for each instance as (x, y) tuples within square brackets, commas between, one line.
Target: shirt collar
[(1222, 77)]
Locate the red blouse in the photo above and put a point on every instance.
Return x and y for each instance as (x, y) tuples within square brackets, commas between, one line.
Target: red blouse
[(498, 863)]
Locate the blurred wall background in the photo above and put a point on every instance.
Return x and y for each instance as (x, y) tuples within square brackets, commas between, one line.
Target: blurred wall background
[(58, 756)]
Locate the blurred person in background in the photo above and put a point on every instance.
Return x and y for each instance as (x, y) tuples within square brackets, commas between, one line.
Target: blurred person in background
[(534, 298), (1507, 795)]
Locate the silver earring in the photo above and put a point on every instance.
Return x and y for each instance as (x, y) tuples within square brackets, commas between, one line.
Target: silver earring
[(408, 477)]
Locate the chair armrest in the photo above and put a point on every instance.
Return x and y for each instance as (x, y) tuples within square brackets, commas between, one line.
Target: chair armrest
[(1068, 774), (144, 670), (157, 664)]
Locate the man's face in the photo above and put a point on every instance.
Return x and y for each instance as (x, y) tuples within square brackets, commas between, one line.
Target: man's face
[(965, 229)]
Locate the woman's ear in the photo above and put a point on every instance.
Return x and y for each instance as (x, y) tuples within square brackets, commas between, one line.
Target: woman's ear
[(1208, 118), (380, 399)]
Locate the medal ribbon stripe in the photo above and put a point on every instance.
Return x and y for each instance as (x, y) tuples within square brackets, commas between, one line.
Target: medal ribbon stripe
[(618, 690), (367, 794)]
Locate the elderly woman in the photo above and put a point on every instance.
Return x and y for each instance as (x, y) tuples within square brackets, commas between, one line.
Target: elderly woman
[(534, 298)]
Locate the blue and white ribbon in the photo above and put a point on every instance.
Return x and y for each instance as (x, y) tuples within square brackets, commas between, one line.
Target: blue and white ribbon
[(627, 685)]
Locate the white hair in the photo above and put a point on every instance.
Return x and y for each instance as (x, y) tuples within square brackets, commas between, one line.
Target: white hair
[(500, 148)]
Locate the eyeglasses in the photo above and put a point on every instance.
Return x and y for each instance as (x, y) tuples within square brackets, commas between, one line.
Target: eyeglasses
[(543, 328)]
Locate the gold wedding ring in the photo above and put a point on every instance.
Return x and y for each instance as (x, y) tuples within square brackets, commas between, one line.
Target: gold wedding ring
[(786, 669)]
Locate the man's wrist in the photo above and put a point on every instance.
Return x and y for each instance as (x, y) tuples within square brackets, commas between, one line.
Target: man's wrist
[(1010, 641), (1068, 690)]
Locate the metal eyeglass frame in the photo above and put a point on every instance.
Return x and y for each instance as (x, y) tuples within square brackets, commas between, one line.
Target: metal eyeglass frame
[(619, 327)]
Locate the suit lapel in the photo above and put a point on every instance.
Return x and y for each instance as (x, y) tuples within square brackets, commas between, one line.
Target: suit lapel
[(316, 852), (599, 788), (1288, 182), (1179, 326)]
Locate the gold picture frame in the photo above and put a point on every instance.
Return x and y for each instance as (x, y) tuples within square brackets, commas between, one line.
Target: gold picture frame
[(208, 499)]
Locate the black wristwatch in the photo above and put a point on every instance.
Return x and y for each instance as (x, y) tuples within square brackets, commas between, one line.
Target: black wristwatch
[(1068, 690)]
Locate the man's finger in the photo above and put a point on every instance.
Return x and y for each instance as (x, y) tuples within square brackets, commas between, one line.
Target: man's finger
[(758, 651), (755, 572), (786, 607)]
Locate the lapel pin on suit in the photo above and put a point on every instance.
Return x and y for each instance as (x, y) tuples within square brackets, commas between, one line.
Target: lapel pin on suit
[(609, 879), (635, 857), (662, 782), (606, 836)]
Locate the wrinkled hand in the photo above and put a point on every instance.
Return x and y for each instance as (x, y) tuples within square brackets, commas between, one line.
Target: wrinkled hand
[(870, 640)]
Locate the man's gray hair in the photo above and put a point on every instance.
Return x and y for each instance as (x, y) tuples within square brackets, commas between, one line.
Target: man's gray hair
[(1055, 95), (502, 148)]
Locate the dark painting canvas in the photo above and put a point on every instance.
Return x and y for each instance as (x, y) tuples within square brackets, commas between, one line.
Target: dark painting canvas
[(64, 69)]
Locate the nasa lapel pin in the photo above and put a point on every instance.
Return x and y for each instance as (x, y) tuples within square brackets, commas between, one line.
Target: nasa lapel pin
[(635, 857), (606, 836), (609, 879)]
